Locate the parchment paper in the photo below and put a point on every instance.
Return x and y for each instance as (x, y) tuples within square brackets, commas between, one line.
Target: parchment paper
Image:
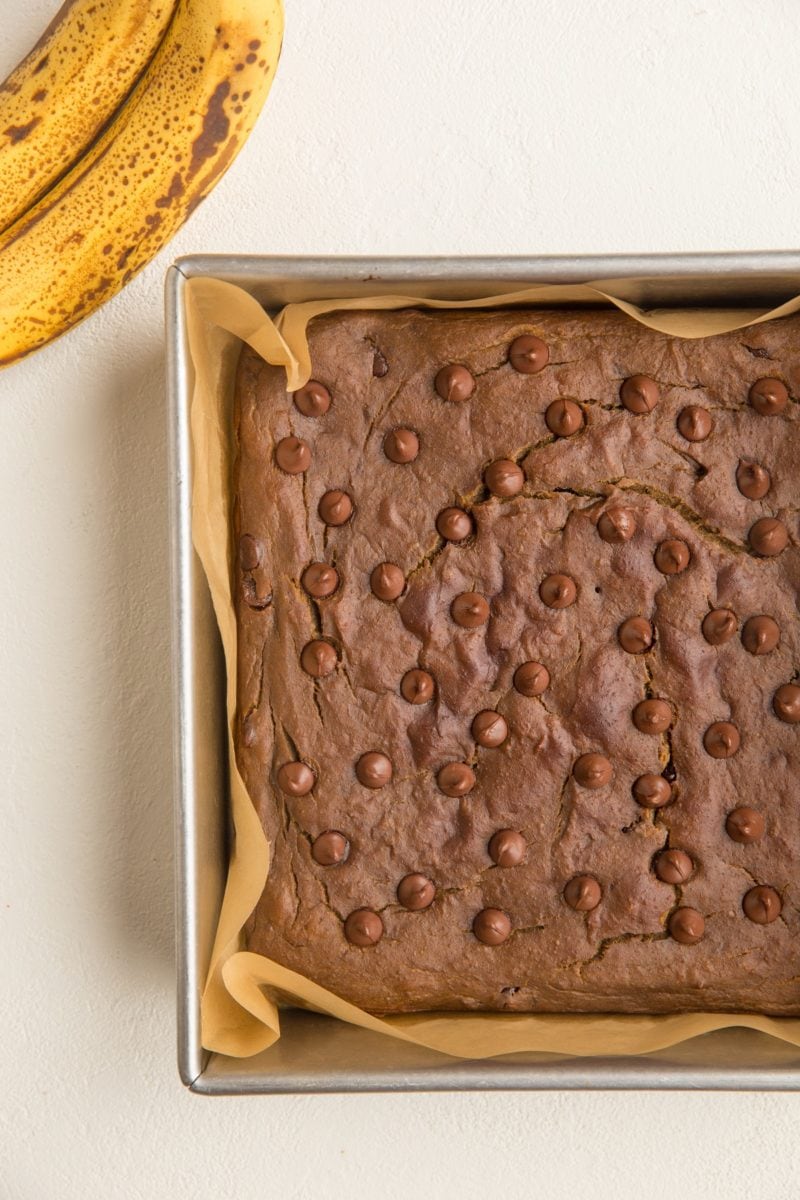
[(243, 993)]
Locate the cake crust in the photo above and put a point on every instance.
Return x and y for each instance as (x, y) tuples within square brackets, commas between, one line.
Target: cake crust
[(494, 616)]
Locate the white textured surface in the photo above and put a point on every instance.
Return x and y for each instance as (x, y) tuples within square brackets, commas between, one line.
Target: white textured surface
[(405, 127)]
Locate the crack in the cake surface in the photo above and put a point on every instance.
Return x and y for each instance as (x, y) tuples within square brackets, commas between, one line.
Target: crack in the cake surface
[(620, 939), (756, 351), (426, 560), (562, 815)]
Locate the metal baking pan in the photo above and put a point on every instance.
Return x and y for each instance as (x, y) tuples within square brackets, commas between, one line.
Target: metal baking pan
[(316, 1053)]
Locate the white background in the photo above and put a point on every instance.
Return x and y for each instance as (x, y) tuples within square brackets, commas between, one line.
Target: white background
[(394, 127)]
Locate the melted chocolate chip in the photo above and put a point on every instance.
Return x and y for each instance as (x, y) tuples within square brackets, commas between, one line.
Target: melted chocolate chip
[(387, 582), (380, 366), (673, 866), (639, 394), (695, 423), (721, 740), (492, 926), (455, 779), (335, 508), (528, 354), (531, 678), (318, 658), (768, 537), (416, 892), (768, 397), (558, 591), (652, 716), (320, 580), (719, 626), (762, 905), (507, 848), (745, 825), (752, 480), (504, 478), (761, 634), (374, 770), (295, 778), (330, 849), (651, 791), (687, 926), (636, 635), (293, 455), (470, 610), (489, 729), (617, 525), (313, 400), (363, 928), (786, 703), (672, 556), (564, 418), (401, 446), (454, 382), (250, 552), (417, 687), (593, 771), (453, 524), (583, 893)]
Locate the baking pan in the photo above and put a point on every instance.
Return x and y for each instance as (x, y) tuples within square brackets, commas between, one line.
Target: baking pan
[(316, 1053)]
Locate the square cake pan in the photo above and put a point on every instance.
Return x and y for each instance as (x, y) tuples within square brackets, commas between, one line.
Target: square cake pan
[(316, 1053)]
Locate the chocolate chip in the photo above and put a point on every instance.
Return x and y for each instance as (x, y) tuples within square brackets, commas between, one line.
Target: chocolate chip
[(489, 729), (687, 926), (455, 779), (745, 825), (320, 580), (528, 354), (673, 866), (249, 552), (401, 446), (335, 508), (651, 791), (672, 556), (762, 905), (318, 658), (617, 525), (695, 423), (330, 849), (768, 537), (639, 394), (374, 769), (786, 703), (761, 635), (387, 582), (768, 396), (417, 687), (453, 524), (313, 400), (470, 610), (721, 740), (363, 928), (636, 635), (583, 893), (507, 848), (531, 679), (504, 478), (293, 455), (564, 418), (558, 591), (492, 926), (295, 778), (652, 716), (416, 892), (593, 771), (752, 480), (719, 626), (380, 366), (454, 382)]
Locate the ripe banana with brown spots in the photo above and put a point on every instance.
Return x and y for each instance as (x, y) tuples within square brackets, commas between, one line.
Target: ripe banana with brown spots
[(178, 132), (56, 101)]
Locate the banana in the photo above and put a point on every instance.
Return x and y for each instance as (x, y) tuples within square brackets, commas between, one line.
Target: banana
[(53, 105), (179, 131)]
